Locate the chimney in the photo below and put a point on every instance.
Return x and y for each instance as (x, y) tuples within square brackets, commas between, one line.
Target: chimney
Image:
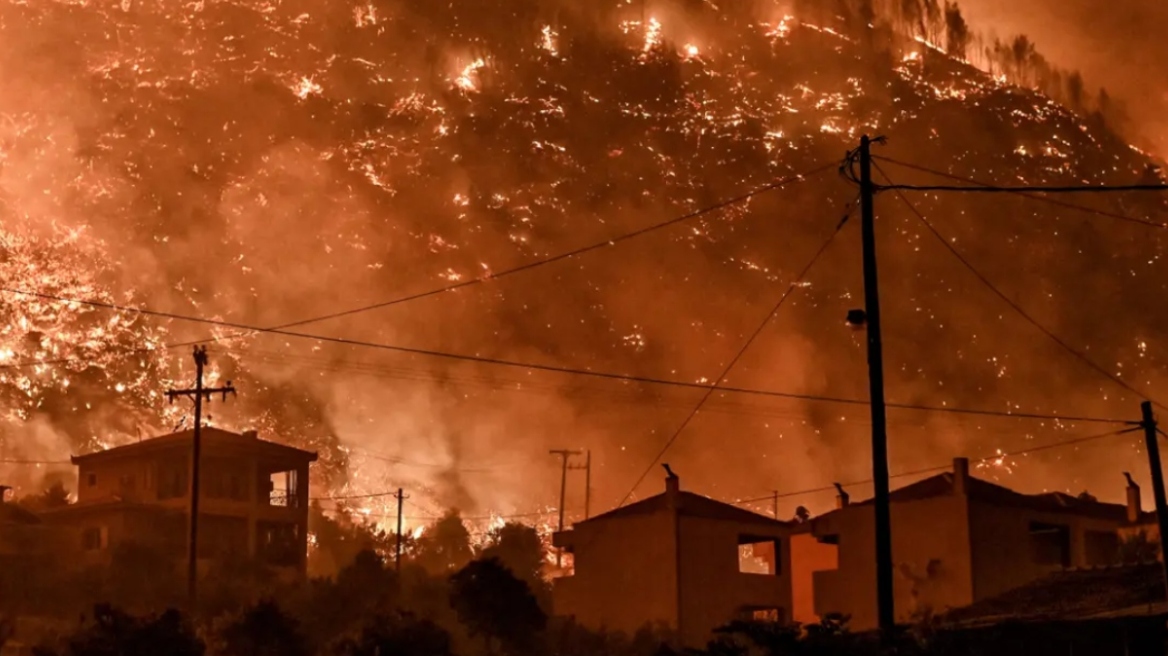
[(1133, 500), (960, 476), (672, 487), (251, 434), (842, 498)]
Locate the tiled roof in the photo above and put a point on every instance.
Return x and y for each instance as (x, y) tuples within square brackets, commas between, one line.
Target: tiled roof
[(991, 493), (1074, 594), (691, 505)]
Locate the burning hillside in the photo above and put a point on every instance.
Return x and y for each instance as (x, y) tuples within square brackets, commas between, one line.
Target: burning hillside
[(269, 162)]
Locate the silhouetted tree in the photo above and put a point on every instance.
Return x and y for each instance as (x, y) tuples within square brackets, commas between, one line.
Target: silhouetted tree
[(445, 546), (396, 636), (1138, 548), (495, 605), (115, 633), (956, 31), (263, 630), (519, 548), (54, 496)]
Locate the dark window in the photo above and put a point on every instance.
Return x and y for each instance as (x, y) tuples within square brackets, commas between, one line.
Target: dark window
[(224, 480), (91, 480), (759, 555), (278, 543), (173, 478), (1050, 544), (222, 536), (91, 539)]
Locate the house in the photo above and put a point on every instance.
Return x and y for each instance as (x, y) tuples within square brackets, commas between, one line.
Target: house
[(1116, 610), (957, 540), (253, 498), (679, 561)]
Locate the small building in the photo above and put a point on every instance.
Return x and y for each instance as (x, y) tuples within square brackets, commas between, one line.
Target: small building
[(957, 540), (253, 498), (1116, 610), (677, 561)]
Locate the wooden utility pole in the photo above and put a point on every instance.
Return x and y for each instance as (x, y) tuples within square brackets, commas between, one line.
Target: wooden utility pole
[(587, 469), (588, 486), (775, 504), (397, 551), (885, 610), (564, 454), (1153, 446), (198, 394)]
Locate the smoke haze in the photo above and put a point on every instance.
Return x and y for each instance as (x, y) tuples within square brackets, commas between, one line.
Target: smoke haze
[(270, 162)]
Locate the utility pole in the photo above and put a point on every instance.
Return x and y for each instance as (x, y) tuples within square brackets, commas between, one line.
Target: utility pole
[(587, 469), (1153, 446), (564, 455), (398, 547), (198, 394), (775, 505), (871, 317)]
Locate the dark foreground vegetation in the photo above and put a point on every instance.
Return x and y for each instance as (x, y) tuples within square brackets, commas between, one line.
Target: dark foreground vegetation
[(449, 598)]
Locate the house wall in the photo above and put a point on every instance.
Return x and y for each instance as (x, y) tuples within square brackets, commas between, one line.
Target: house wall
[(931, 556), (233, 487), (1002, 556), (714, 592), (625, 574), (808, 555)]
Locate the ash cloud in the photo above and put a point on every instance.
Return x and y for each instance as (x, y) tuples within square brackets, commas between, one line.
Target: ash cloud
[(271, 162)]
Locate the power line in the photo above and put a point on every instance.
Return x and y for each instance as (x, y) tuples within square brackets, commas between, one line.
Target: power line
[(928, 470), (1024, 189), (741, 352), (1015, 306), (468, 283), (1043, 199), (628, 378), (573, 253)]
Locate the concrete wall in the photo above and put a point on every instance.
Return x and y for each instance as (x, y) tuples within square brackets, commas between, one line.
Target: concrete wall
[(714, 592), (625, 574), (807, 555), (1002, 557), (931, 554)]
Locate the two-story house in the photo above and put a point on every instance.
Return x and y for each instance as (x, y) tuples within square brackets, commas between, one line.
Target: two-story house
[(683, 562), (253, 498), (957, 539)]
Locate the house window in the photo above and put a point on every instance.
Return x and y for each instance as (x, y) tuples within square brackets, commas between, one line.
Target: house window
[(173, 478), (762, 614), (1050, 544), (278, 543), (758, 555), (91, 480), (225, 481), (93, 539), (284, 489)]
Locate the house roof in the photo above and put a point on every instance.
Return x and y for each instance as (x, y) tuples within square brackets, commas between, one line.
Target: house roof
[(1072, 595), (11, 513), (689, 505), (994, 494), (212, 439)]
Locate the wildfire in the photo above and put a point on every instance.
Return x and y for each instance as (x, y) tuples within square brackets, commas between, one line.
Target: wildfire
[(395, 159)]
